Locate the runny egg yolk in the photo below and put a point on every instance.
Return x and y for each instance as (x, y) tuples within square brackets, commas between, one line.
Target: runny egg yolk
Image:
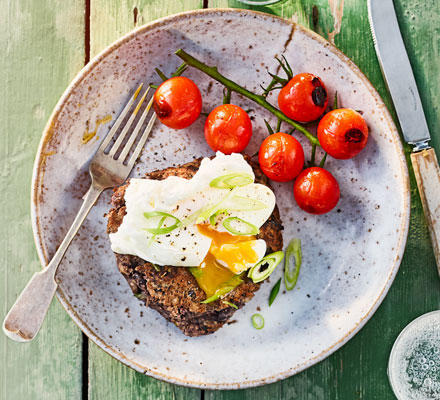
[(235, 251)]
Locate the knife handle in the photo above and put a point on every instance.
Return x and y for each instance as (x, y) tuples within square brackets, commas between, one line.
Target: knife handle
[(427, 172)]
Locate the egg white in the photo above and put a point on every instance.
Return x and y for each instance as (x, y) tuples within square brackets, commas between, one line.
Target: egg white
[(183, 198)]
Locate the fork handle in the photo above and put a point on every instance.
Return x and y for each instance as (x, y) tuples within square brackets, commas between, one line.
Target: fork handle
[(27, 314)]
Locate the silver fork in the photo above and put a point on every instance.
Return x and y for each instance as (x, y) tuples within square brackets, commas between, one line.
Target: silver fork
[(27, 314)]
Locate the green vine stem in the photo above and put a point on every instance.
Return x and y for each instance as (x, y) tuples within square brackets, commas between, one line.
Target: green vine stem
[(335, 101), (179, 71), (312, 158), (227, 96), (161, 74), (279, 125), (269, 128), (234, 87), (321, 164), (269, 88)]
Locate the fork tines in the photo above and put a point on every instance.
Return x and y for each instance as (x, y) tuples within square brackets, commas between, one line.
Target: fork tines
[(124, 140)]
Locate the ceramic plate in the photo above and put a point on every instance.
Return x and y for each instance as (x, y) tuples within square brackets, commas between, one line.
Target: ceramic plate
[(350, 256)]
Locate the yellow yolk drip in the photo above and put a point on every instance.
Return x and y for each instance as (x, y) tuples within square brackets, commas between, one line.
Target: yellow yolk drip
[(234, 251), (211, 275)]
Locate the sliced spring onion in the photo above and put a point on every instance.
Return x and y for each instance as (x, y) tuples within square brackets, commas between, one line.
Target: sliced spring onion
[(191, 218), (153, 238), (225, 288), (196, 272), (159, 230), (230, 304), (231, 202), (293, 263), (156, 267), (274, 292), (257, 321), (215, 215), (237, 203), (206, 212), (240, 203), (230, 181), (219, 293), (246, 228), (260, 271)]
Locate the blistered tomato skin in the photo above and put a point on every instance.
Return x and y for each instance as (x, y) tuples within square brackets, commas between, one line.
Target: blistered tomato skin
[(177, 102), (316, 190), (281, 157), (343, 133), (228, 129), (304, 98)]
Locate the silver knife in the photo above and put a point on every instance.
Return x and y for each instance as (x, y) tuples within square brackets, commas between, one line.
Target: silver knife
[(399, 78)]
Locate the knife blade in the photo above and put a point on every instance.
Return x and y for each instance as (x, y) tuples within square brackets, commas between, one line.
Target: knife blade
[(396, 69)]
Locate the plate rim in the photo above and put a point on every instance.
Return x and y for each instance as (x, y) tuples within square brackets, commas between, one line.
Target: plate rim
[(38, 175)]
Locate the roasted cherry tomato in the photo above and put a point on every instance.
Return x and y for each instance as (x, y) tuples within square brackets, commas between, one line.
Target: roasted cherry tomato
[(316, 190), (281, 157), (177, 102), (228, 129), (343, 133), (304, 98)]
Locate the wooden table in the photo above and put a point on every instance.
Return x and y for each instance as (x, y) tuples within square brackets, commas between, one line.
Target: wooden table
[(44, 44)]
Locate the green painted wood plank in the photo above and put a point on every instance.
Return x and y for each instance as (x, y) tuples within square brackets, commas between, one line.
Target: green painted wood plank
[(42, 48), (111, 19), (108, 378), (358, 370), (421, 29)]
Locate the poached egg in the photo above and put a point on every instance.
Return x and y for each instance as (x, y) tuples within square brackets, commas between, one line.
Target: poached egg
[(199, 239)]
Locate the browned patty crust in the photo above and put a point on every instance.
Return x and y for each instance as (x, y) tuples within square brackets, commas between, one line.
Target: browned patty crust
[(173, 291)]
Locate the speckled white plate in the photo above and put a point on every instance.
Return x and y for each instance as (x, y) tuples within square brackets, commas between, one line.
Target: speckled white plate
[(350, 256)]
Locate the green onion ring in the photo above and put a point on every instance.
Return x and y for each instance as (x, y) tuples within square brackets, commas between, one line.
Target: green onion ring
[(250, 229), (215, 215), (196, 272), (237, 203), (272, 260), (230, 181), (159, 230), (257, 321), (156, 267), (219, 293), (293, 253), (230, 304), (153, 238), (191, 218), (241, 203), (225, 288), (230, 202), (209, 210)]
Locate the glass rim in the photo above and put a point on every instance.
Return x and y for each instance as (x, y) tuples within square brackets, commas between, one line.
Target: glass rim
[(392, 377)]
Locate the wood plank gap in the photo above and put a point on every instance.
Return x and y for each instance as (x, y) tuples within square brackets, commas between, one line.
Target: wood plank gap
[(85, 367), (135, 15), (205, 3), (85, 339), (87, 32)]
